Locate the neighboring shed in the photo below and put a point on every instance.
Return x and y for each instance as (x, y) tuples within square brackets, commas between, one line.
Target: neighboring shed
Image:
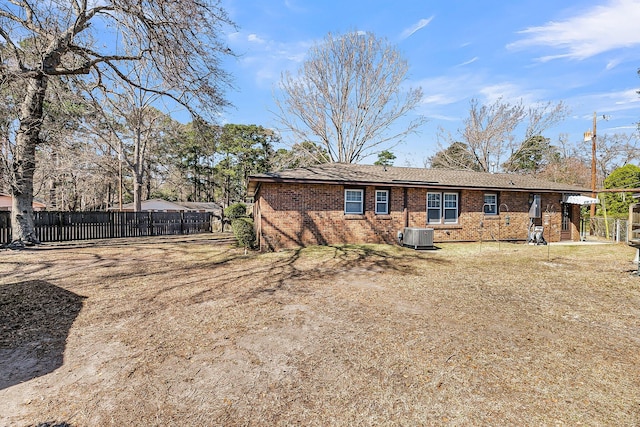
[(347, 203), (160, 205)]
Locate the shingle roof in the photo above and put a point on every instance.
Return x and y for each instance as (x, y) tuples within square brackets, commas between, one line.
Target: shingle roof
[(178, 206), (201, 205), (342, 173)]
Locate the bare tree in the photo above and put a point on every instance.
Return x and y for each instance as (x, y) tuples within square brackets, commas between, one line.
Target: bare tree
[(73, 175), (566, 165), (347, 95), (489, 129), (490, 132), (300, 155), (613, 151), (99, 42), (63, 113), (568, 170), (130, 124), (541, 117)]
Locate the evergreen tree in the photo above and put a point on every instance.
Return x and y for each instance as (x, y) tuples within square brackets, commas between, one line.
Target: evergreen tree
[(617, 204)]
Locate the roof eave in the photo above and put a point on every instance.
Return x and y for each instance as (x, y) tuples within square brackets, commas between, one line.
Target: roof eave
[(256, 180)]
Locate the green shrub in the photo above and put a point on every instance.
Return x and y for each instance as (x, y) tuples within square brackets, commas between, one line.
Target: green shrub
[(244, 232), (235, 211)]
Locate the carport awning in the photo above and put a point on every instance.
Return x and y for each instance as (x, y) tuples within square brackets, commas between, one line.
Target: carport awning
[(581, 200)]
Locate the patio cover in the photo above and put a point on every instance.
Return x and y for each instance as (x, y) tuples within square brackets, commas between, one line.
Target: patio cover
[(581, 200)]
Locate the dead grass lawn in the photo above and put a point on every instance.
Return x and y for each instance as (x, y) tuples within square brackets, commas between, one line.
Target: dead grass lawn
[(185, 332)]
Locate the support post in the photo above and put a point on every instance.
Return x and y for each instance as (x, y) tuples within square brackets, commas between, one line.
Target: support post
[(592, 212)]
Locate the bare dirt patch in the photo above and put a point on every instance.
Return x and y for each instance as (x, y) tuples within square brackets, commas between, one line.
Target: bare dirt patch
[(191, 333)]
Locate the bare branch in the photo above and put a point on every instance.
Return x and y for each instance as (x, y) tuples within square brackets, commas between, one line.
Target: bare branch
[(489, 133), (543, 117), (348, 95), (16, 52), (489, 128), (180, 41)]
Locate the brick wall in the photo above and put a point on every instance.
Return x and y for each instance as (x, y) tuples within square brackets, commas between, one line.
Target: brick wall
[(293, 215)]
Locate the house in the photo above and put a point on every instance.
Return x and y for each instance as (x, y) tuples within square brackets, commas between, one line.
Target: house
[(160, 205), (6, 199), (348, 203)]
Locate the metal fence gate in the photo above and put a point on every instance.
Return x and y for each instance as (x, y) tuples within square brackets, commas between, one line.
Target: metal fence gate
[(611, 228)]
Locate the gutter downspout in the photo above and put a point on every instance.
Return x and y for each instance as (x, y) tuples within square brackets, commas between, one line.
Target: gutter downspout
[(257, 218), (405, 210)]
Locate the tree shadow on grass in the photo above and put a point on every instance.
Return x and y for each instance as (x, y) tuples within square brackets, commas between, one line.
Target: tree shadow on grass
[(329, 262), (35, 319)]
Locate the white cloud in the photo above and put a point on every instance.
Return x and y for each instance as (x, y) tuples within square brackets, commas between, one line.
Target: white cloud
[(600, 29), (613, 63), (408, 32), (448, 90), (234, 37), (611, 101), (627, 98), (265, 58), (471, 61), (620, 107), (438, 99), (444, 118), (508, 92), (253, 38), (294, 6), (632, 128)]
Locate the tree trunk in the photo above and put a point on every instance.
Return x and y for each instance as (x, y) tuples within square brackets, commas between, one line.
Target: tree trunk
[(137, 191), (148, 180), (24, 164), (138, 167)]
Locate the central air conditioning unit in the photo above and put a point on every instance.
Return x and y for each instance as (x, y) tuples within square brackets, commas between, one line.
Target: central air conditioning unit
[(417, 237)]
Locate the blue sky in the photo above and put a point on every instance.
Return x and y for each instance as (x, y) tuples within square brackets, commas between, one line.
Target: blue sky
[(584, 53)]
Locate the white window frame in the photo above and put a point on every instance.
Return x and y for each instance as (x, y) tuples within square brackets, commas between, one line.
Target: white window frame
[(347, 201), (384, 203), (431, 206), (493, 207), (447, 207), (445, 204)]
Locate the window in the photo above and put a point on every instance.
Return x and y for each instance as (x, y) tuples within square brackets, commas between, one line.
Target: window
[(382, 202), (353, 201), (433, 208), (442, 208), (450, 208), (490, 204)]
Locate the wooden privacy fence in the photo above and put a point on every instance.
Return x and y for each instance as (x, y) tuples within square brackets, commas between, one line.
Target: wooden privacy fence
[(64, 226)]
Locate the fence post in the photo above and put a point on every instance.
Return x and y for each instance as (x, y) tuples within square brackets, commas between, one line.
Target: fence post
[(150, 219), (59, 226), (112, 223)]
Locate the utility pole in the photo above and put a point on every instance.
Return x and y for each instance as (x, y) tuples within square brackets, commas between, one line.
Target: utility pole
[(592, 136)]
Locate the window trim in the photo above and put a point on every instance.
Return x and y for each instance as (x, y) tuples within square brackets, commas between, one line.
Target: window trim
[(358, 190), (445, 208), (442, 208), (386, 202), (439, 207), (494, 204)]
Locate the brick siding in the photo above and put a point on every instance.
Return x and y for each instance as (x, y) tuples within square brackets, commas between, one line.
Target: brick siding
[(294, 215)]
